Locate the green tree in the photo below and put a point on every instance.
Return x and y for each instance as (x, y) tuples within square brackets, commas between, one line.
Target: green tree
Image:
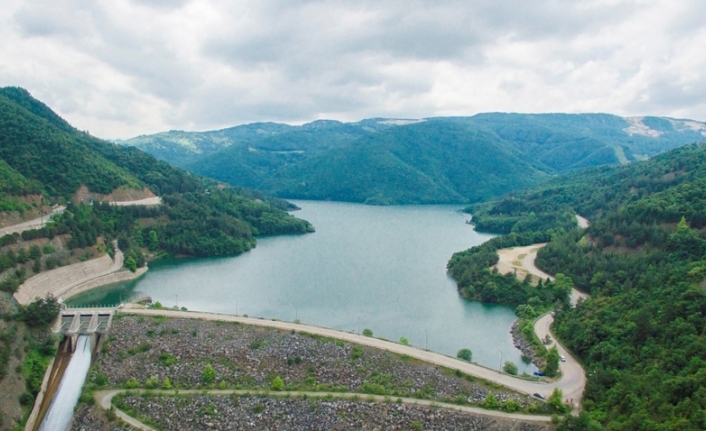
[(37, 266), (166, 384), (131, 264), (556, 402), (209, 374), (552, 367), (368, 332), (154, 241), (277, 384), (510, 368), (465, 354), (48, 248), (35, 252), (41, 313), (491, 403)]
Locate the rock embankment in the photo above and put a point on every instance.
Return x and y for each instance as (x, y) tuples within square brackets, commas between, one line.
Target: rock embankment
[(205, 412), (249, 357), (525, 347), (91, 418)]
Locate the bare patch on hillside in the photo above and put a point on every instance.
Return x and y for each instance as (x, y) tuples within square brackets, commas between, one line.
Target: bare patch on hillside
[(120, 194)]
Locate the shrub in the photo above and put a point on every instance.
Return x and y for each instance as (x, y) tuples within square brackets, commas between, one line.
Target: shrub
[(357, 352), (26, 399), (511, 406), (490, 402), (209, 374), (465, 354), (277, 384), (404, 341), (510, 368), (132, 384), (166, 359), (100, 379), (368, 332), (152, 382), (166, 384)]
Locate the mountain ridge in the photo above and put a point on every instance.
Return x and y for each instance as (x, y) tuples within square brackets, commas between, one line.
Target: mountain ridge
[(297, 161)]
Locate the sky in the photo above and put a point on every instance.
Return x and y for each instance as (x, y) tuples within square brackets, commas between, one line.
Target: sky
[(121, 68)]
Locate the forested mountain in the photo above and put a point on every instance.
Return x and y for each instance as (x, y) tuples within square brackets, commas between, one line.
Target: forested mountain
[(41, 154), (642, 334), (436, 160)]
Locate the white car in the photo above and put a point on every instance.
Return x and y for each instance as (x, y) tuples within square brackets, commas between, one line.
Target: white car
[(563, 359)]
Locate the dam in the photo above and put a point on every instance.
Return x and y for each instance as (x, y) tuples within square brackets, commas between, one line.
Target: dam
[(83, 330)]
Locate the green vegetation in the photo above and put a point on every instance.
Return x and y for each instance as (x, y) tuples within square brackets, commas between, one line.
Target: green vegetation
[(209, 374), (435, 161), (465, 354), (41, 313), (42, 154), (641, 336), (368, 332), (510, 368), (475, 279)]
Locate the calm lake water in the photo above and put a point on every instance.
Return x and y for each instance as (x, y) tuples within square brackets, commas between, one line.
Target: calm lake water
[(384, 267)]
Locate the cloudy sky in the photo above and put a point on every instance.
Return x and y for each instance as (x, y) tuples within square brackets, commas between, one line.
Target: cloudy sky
[(121, 68)]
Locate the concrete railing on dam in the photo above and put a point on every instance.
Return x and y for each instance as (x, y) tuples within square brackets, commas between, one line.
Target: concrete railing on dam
[(73, 323)]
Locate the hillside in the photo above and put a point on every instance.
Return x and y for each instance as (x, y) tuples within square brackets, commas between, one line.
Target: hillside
[(642, 334), (436, 160), (42, 154), (45, 161), (428, 162)]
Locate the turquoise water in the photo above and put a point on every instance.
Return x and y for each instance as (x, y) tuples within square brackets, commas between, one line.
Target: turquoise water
[(384, 267)]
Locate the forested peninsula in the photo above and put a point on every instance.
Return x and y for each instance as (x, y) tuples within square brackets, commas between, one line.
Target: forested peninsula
[(642, 333)]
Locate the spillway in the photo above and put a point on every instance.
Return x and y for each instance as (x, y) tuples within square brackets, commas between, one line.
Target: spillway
[(61, 409)]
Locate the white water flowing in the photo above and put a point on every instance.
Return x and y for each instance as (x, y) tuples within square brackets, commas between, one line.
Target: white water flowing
[(61, 409)]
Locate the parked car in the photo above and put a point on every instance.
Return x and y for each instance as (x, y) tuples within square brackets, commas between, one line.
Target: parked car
[(538, 395), (563, 359), (538, 374)]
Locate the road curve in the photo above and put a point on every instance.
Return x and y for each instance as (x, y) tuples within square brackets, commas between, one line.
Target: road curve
[(582, 221), (105, 397), (515, 383), (40, 222), (573, 381), (572, 373), (37, 223)]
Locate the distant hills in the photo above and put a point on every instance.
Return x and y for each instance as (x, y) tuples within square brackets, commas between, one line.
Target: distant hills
[(434, 160)]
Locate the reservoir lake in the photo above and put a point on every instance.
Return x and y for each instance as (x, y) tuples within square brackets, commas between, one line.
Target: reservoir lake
[(382, 268)]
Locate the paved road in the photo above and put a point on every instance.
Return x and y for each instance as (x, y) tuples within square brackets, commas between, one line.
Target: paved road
[(42, 221), (511, 382), (156, 200), (573, 374), (528, 262), (104, 398), (37, 223), (583, 222)]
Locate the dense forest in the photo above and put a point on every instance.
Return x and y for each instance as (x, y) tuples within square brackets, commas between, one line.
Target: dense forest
[(642, 334), (435, 160), (41, 154)]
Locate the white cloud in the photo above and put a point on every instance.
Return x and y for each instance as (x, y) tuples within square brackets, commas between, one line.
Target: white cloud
[(123, 68)]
